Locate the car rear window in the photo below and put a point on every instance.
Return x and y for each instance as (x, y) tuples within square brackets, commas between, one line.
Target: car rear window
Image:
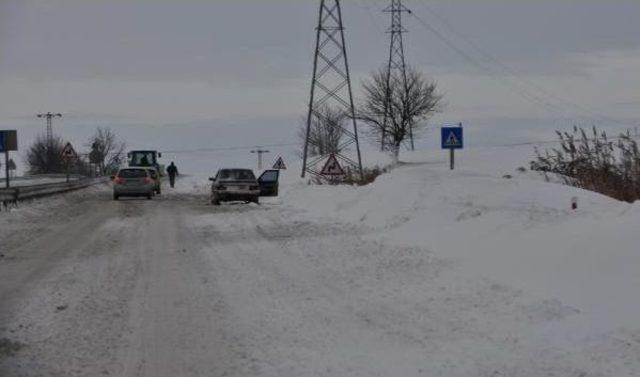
[(132, 173), (237, 174)]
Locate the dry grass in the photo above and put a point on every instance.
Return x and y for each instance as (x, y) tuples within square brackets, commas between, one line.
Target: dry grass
[(595, 163)]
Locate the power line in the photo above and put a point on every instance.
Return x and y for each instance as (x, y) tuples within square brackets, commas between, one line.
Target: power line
[(232, 148), (365, 4), (512, 72), (514, 87)]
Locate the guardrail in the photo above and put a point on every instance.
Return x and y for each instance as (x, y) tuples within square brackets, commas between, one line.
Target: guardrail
[(16, 194)]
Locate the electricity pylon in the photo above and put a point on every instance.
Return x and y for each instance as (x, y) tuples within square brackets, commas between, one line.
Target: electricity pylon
[(396, 67), (331, 87), (49, 116)]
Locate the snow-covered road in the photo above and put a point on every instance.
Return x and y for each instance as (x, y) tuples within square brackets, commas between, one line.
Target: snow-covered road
[(176, 287)]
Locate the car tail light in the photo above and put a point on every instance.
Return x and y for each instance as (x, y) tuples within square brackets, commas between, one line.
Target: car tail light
[(119, 180), (147, 181)]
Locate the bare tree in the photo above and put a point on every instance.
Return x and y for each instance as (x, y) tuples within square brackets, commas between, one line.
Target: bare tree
[(46, 157), (326, 131), (106, 150), (406, 109)]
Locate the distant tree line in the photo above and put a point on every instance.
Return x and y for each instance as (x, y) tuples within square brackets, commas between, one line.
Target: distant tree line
[(105, 155)]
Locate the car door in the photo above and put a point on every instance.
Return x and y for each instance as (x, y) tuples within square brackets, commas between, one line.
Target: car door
[(268, 183)]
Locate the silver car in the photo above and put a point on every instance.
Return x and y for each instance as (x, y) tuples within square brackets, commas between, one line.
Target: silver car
[(133, 182), (234, 185)]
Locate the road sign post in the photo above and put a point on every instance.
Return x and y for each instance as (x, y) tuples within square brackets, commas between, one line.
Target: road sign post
[(452, 158), (6, 168), (68, 154), (332, 171), (260, 152), (279, 164), (8, 142), (452, 139)]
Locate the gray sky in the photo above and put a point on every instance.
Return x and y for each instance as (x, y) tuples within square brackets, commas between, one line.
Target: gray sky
[(242, 68)]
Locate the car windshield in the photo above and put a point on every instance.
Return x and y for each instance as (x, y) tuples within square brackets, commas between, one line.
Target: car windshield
[(132, 173), (237, 174)]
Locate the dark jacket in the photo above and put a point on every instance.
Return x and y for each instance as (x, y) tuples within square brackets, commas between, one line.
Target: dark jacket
[(172, 170)]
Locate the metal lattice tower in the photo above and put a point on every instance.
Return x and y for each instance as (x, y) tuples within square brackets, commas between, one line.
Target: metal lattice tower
[(396, 68), (49, 116), (331, 86)]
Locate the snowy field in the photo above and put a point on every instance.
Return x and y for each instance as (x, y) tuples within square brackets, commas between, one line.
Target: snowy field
[(473, 267), (426, 272)]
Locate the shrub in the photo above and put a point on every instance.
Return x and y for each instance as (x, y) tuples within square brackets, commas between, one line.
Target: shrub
[(352, 178), (595, 163)]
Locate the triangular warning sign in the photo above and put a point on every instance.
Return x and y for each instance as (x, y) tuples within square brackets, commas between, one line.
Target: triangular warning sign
[(279, 165), (452, 140), (332, 167), (68, 152)]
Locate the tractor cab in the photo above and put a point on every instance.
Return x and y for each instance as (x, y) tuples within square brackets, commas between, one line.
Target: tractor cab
[(145, 159)]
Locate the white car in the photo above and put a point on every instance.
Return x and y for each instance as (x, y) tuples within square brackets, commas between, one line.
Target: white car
[(241, 185)]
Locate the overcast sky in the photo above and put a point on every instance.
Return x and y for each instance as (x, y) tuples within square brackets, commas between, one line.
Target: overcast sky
[(517, 69)]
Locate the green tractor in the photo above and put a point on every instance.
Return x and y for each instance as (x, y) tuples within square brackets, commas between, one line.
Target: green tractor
[(146, 159)]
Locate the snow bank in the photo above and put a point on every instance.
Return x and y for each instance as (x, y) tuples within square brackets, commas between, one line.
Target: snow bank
[(430, 272), (519, 231)]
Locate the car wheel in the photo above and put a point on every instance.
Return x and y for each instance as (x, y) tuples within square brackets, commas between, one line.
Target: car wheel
[(149, 196), (256, 200), (115, 197)]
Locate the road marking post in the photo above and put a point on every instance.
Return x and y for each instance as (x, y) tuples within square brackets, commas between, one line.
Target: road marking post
[(8, 142)]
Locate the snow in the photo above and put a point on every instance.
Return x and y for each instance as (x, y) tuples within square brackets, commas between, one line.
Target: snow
[(426, 271), (518, 231), (576, 269), (519, 234)]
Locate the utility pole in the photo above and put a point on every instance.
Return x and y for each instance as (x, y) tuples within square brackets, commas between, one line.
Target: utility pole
[(49, 116), (331, 86), (396, 67), (260, 152)]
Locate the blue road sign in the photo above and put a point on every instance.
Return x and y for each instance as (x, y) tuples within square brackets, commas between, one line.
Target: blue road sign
[(2, 141), (452, 138)]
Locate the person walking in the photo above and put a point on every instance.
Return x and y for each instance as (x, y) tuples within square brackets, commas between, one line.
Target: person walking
[(172, 170)]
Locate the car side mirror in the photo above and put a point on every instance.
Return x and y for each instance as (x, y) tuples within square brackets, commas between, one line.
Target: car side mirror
[(212, 179)]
